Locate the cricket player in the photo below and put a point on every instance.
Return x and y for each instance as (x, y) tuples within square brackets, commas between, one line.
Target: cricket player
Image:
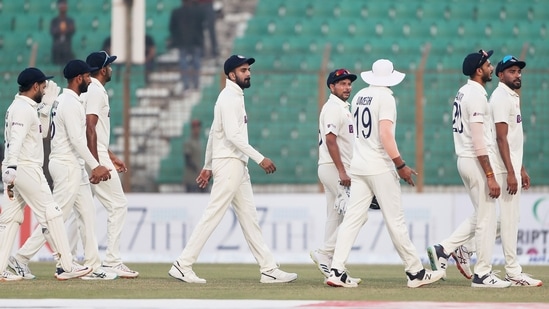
[(376, 169), (226, 159), (22, 168), (71, 182), (110, 192), (474, 146), (334, 158)]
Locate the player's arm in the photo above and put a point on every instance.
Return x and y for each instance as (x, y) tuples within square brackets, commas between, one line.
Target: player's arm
[(20, 126), (117, 162), (502, 129), (525, 178), (91, 134), (388, 141), (333, 150), (477, 136)]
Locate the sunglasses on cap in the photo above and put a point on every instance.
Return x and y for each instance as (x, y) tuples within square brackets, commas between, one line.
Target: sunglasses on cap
[(484, 56), (509, 58), (106, 58), (341, 72)]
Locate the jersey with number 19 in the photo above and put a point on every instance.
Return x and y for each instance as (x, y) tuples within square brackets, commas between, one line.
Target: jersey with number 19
[(470, 106), (369, 106)]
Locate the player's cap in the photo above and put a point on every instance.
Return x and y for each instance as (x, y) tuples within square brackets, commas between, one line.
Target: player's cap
[(475, 60), (30, 76), (76, 67), (507, 62), (235, 61), (338, 75), (383, 74), (100, 59)]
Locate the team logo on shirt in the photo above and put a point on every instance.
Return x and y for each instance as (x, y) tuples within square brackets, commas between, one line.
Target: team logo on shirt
[(351, 128), (519, 119)]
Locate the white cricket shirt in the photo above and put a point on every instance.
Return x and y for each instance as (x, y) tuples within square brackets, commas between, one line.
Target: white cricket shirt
[(68, 130), (505, 104), (96, 102), (336, 118), (471, 105), (228, 136), (23, 134), (368, 107)]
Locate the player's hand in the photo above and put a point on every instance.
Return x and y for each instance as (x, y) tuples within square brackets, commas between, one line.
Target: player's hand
[(342, 199), (8, 176), (9, 191), (493, 187), (406, 173), (119, 165), (203, 178), (100, 173), (525, 179), (268, 166), (344, 179), (512, 184), (50, 93)]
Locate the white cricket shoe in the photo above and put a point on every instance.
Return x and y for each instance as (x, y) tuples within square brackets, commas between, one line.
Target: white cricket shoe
[(424, 277), (340, 279), (490, 280), (121, 270), (100, 274), (20, 268), (523, 280), (277, 276), (438, 259), (462, 256), (9, 276), (322, 261), (187, 275), (77, 271)]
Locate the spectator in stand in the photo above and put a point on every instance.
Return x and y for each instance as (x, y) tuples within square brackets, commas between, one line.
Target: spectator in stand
[(62, 29), (210, 16)]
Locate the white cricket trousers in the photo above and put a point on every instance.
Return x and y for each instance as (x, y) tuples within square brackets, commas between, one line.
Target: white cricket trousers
[(111, 195), (509, 217), (386, 188), (329, 177), (31, 188), (71, 191), (231, 185), (482, 223)]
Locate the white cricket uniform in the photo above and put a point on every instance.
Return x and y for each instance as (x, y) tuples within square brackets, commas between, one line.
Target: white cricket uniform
[(24, 149), (110, 193), (71, 184), (227, 154), (335, 118), (373, 173), (471, 106), (505, 104)]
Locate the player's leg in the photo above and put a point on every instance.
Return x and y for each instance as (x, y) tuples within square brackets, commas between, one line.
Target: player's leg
[(11, 218)]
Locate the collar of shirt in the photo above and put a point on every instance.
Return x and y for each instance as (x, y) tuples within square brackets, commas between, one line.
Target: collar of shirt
[(339, 101), (508, 90), (478, 86), (96, 82), (32, 103), (232, 85), (72, 93)]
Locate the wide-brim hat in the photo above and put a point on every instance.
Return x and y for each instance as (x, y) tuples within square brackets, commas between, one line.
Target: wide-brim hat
[(383, 74)]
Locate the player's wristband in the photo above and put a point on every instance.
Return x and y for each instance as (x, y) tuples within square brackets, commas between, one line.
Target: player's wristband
[(401, 166), (489, 174)]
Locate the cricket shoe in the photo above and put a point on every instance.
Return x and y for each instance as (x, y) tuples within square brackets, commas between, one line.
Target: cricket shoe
[(523, 280), (277, 276), (77, 271), (462, 256), (122, 271), (490, 280), (424, 277), (100, 274), (322, 261), (7, 275), (438, 259), (20, 268), (187, 275), (340, 279)]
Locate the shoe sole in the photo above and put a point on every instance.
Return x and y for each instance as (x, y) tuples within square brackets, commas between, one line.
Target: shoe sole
[(461, 270), (340, 285), (425, 282), (181, 278), (481, 285), (318, 265), (432, 253), (278, 281)]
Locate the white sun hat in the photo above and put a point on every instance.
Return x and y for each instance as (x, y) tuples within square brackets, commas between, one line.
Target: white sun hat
[(383, 74)]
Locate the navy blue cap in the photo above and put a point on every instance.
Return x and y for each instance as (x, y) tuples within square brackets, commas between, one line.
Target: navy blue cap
[(338, 75), (75, 68), (100, 59), (235, 61), (475, 60), (30, 76), (507, 62)]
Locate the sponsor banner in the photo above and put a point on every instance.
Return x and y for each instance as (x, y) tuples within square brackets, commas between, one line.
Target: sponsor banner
[(158, 227)]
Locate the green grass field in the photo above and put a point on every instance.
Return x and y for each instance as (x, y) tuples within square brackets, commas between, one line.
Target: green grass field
[(241, 281)]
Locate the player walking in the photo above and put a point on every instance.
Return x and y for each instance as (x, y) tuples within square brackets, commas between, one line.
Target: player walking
[(376, 169), (226, 159)]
